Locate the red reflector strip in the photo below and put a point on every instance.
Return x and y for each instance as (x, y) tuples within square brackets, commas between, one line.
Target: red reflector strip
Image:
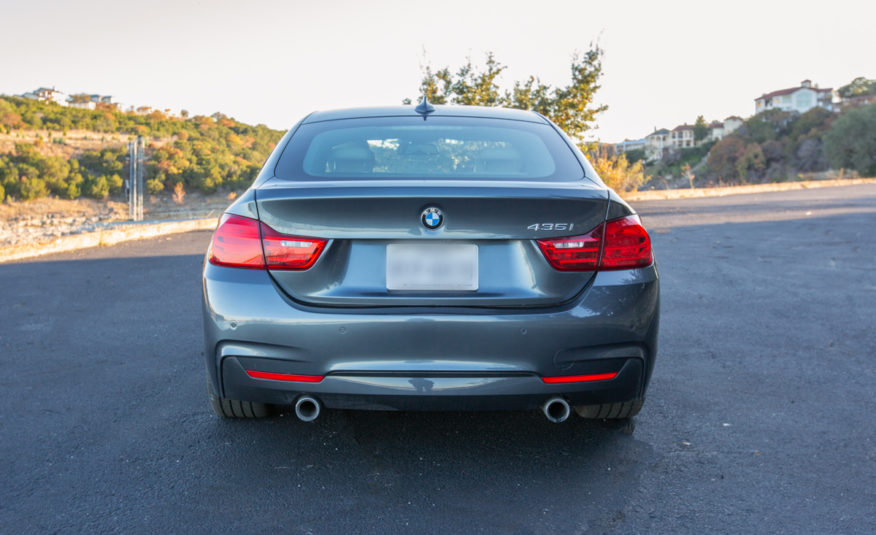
[(284, 376), (579, 378)]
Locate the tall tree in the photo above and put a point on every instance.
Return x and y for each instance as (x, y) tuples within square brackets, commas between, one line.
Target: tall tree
[(851, 141), (701, 129), (571, 106)]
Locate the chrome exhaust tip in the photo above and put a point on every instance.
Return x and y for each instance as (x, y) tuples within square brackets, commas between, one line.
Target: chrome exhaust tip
[(307, 408), (556, 410)]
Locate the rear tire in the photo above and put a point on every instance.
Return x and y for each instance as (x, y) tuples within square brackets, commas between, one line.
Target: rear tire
[(610, 411), (233, 408)]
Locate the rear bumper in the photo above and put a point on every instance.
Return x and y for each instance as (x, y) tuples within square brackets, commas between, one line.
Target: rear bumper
[(431, 391), (426, 358)]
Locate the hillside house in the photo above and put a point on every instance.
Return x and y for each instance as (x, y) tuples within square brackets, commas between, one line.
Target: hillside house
[(682, 136), (858, 101), (655, 143), (85, 105), (718, 129), (628, 145), (800, 99), (47, 94)]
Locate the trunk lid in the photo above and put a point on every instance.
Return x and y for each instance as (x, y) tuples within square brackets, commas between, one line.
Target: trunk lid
[(502, 219)]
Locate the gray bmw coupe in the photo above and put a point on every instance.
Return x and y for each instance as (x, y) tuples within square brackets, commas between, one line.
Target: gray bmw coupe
[(429, 258)]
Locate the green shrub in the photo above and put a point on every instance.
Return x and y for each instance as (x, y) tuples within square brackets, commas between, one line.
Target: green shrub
[(2, 193), (96, 188), (115, 183), (33, 188), (154, 185)]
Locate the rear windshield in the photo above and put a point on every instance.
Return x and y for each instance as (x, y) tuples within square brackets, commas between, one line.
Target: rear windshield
[(439, 147)]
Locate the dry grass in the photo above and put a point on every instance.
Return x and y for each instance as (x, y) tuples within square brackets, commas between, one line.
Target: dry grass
[(75, 142), (39, 208)]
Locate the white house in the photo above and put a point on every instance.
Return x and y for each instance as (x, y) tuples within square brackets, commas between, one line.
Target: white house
[(732, 123), (717, 130), (47, 94), (682, 136), (629, 144), (87, 105), (800, 99), (655, 142)]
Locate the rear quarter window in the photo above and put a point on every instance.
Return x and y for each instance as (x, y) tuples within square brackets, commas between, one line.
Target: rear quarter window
[(438, 147)]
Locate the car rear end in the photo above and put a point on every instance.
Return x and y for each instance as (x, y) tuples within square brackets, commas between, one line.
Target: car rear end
[(462, 260)]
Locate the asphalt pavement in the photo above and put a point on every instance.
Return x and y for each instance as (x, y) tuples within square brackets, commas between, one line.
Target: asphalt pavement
[(760, 418)]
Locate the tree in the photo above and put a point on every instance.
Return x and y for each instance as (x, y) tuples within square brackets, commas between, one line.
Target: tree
[(80, 98), (571, 107), (723, 156), (701, 129), (617, 172), (860, 86), (851, 141)]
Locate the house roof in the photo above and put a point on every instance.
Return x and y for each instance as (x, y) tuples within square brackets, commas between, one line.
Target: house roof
[(790, 90), (736, 117), (682, 127), (660, 132), (716, 124)]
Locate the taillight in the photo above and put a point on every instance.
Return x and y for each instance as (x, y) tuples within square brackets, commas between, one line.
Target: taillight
[(242, 242), (626, 244), (289, 252), (236, 243), (618, 244), (577, 253)]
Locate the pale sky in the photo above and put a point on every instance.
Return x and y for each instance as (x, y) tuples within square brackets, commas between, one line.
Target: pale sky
[(273, 62)]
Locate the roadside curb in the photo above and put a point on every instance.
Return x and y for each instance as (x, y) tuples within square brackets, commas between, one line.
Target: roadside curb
[(660, 195), (108, 236), (136, 231)]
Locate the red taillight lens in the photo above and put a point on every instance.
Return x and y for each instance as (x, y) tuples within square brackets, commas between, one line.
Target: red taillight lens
[(577, 253), (239, 242), (236, 243), (627, 244), (618, 244), (290, 252)]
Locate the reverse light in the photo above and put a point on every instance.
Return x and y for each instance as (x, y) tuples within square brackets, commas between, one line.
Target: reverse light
[(243, 242), (289, 252), (577, 253), (617, 244)]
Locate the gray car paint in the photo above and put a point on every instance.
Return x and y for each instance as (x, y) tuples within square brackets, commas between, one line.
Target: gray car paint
[(295, 322)]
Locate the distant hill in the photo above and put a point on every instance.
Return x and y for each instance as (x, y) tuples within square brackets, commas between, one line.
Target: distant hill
[(772, 145), (777, 145), (47, 149)]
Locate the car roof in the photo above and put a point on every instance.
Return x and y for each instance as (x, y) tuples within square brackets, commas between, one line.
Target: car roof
[(440, 111)]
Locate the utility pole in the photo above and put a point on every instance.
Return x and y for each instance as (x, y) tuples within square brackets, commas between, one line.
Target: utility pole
[(136, 156)]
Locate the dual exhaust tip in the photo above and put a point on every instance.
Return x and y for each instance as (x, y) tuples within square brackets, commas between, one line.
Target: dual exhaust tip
[(307, 408), (556, 409)]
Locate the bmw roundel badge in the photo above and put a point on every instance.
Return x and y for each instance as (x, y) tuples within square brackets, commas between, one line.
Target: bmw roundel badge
[(432, 217)]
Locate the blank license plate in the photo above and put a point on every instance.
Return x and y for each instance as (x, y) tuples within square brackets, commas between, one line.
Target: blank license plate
[(433, 266)]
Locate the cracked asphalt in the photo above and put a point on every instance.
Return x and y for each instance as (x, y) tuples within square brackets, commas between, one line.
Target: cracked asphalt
[(760, 416)]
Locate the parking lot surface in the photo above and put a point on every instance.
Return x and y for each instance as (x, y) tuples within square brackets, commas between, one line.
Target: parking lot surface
[(760, 418)]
